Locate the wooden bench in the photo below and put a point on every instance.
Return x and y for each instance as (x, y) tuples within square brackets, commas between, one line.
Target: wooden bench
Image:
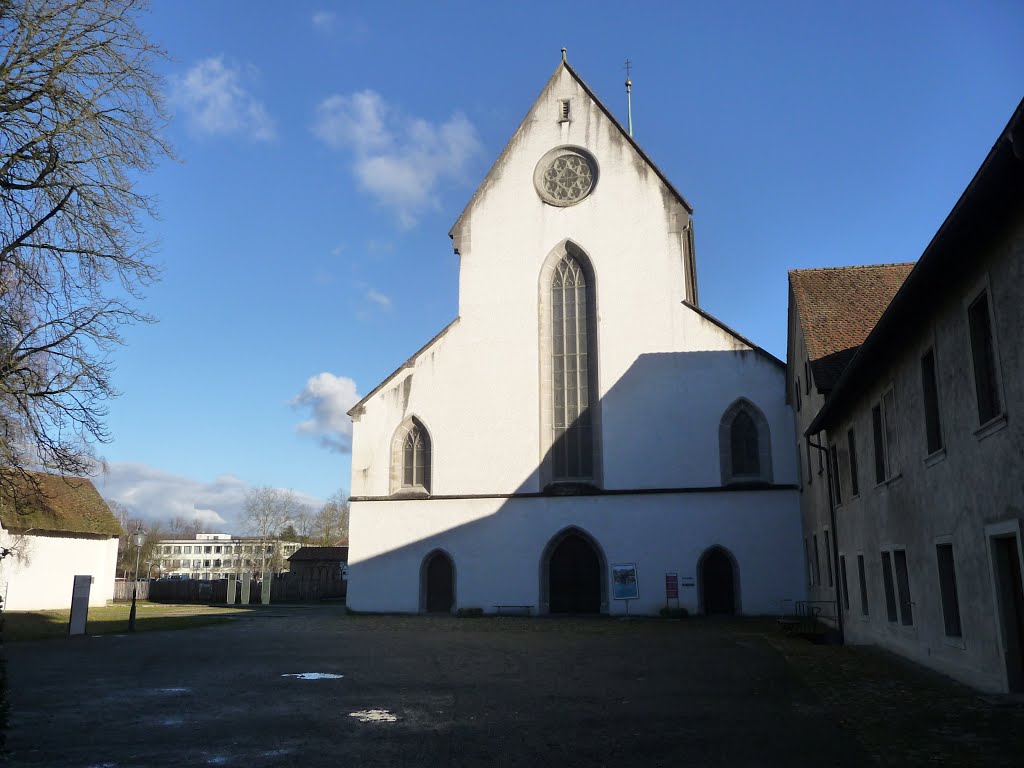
[(524, 610)]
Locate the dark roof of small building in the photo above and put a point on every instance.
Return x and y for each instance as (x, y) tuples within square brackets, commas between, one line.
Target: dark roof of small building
[(994, 195), (320, 553), (58, 504), (837, 308)]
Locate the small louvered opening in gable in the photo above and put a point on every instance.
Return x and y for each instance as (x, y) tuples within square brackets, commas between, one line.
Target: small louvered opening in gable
[(563, 110)]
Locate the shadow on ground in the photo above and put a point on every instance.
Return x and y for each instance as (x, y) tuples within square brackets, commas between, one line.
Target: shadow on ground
[(469, 692)]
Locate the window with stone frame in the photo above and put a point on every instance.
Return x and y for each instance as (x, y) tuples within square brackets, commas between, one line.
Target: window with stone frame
[(411, 458), (983, 353), (947, 588), (854, 475), (572, 450), (883, 423), (930, 397), (744, 444), (837, 480)]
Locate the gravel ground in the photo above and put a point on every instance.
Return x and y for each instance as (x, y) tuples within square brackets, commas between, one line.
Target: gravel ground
[(426, 691)]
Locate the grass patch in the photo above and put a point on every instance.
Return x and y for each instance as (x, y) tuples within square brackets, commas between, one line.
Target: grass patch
[(113, 619)]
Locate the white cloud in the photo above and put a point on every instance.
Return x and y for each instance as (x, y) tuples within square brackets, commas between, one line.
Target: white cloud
[(217, 104), (401, 161), (157, 496), (379, 298), (325, 20), (328, 397)]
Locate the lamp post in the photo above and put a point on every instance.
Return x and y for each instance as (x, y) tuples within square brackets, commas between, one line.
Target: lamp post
[(138, 536)]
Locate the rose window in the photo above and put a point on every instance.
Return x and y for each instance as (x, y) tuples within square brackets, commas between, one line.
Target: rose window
[(568, 178), (565, 175)]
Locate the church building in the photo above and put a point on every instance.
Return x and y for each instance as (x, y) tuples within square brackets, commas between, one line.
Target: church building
[(583, 435)]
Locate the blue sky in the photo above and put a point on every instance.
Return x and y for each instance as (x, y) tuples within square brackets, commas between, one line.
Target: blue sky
[(325, 150)]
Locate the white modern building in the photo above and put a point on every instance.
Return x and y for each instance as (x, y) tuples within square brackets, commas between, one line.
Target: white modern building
[(582, 411), (217, 555), (59, 529)]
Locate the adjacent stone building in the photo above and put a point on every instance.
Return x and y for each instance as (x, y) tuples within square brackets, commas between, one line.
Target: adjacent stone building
[(831, 312), (582, 411), (921, 500)]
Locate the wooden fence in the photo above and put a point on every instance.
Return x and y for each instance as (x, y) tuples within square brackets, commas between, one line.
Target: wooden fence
[(123, 590), (285, 588)]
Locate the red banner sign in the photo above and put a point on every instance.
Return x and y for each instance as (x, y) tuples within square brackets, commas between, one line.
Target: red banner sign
[(671, 586)]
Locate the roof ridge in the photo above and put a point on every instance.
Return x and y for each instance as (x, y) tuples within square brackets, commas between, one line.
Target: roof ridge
[(852, 266), (563, 64)]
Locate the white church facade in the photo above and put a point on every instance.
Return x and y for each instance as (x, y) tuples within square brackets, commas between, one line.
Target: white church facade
[(581, 412)]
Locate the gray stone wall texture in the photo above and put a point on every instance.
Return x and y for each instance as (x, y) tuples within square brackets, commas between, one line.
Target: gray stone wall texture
[(976, 480)]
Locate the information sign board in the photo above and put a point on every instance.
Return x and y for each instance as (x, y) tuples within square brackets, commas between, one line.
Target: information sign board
[(671, 586), (625, 585), (79, 605)]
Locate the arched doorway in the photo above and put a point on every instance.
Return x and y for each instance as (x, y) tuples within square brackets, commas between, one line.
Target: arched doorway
[(575, 574), (438, 583), (718, 582)]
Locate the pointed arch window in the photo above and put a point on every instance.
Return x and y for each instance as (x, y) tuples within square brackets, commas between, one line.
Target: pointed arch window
[(744, 444), (416, 459), (411, 458), (572, 446), (743, 449)]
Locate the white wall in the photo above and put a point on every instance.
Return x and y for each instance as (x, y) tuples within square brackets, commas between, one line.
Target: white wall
[(497, 544), (41, 574), (477, 389), (665, 376)]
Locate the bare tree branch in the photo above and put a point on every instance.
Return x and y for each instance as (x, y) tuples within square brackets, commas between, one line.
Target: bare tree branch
[(81, 112)]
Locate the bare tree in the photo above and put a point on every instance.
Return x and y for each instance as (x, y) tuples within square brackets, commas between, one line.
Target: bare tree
[(330, 526), (80, 116), (302, 522), (183, 527), (126, 549), (267, 511)]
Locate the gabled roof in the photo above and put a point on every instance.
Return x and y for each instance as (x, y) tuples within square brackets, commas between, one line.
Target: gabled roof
[(994, 196), (735, 334), (355, 409), (320, 553), (837, 308), (58, 504), (499, 162)]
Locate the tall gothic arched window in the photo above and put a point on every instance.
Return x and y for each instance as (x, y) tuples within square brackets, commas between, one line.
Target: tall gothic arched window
[(572, 453), (411, 458), (745, 444), (744, 450), (416, 459)]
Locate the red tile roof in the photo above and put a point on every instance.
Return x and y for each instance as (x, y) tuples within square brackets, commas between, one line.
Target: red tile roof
[(838, 307)]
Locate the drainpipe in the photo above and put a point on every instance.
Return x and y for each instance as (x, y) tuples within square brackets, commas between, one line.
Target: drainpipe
[(835, 540)]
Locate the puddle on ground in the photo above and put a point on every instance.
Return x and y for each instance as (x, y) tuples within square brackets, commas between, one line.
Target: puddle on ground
[(314, 676), (374, 716)]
